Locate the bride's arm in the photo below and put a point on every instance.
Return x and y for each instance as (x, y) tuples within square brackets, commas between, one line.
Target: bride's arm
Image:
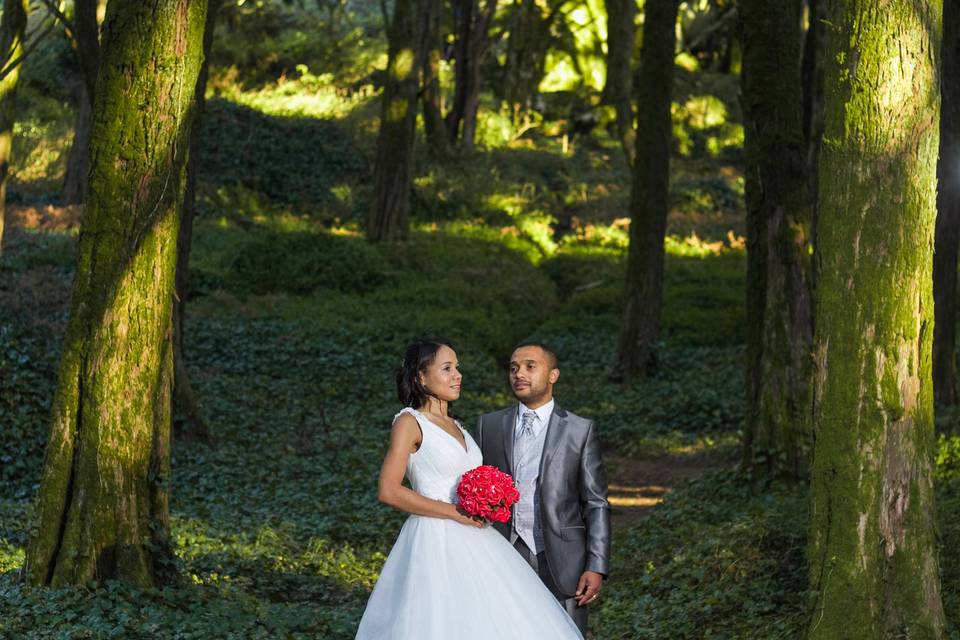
[(404, 440)]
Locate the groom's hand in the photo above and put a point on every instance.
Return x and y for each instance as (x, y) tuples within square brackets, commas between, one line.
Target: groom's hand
[(588, 588)]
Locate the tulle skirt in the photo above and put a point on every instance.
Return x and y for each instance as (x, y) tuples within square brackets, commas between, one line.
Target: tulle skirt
[(448, 581)]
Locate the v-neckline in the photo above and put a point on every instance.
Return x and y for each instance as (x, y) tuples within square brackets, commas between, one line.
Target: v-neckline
[(465, 447)]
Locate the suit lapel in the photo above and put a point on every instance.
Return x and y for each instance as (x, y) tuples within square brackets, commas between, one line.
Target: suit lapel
[(508, 427), (552, 439)]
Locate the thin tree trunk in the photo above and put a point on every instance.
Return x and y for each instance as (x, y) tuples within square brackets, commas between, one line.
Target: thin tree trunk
[(103, 506), (618, 89), (393, 172), (432, 54), (87, 16), (479, 42), (472, 24), (948, 214), (528, 42), (814, 49), (13, 25), (777, 438), (873, 551), (185, 403), (649, 194)]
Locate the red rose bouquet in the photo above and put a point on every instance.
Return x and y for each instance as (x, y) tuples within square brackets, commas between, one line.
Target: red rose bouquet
[(487, 492)]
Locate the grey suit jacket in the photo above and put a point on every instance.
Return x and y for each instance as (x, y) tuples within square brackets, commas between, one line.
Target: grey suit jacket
[(574, 510)]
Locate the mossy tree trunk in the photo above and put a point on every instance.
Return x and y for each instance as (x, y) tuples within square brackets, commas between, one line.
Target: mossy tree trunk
[(192, 426), (393, 171), (431, 15), (948, 214), (649, 194), (13, 25), (102, 510), (621, 35), (872, 545), (88, 15), (777, 436)]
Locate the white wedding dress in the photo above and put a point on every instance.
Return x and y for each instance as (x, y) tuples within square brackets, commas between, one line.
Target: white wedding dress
[(448, 581)]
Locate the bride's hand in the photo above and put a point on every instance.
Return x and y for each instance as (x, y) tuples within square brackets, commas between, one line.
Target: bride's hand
[(461, 516)]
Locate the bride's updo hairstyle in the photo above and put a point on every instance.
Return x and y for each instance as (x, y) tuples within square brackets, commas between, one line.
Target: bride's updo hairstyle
[(418, 356)]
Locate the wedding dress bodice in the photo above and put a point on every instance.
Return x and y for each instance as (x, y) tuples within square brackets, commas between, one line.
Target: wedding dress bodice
[(434, 470)]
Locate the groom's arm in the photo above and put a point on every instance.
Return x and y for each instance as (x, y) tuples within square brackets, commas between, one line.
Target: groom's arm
[(596, 507)]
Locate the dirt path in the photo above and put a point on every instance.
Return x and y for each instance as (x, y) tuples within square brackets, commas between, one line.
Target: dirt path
[(638, 484)]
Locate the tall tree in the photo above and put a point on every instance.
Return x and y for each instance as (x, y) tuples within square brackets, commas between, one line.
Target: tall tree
[(432, 54), (873, 556), (184, 399), (85, 29), (779, 316), (13, 26), (472, 25), (103, 504), (621, 15), (948, 214), (649, 193), (393, 172)]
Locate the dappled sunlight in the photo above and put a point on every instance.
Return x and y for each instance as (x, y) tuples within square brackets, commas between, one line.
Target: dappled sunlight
[(633, 497), (305, 97)]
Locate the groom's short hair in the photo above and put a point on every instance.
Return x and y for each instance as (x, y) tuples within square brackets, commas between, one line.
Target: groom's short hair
[(552, 358)]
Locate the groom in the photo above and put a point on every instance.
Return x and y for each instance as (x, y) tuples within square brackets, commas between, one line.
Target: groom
[(561, 525)]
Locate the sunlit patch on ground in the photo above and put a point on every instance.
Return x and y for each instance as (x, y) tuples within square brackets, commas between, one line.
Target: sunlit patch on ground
[(631, 497)]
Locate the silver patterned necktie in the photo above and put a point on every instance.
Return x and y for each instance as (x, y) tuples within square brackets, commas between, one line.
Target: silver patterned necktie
[(526, 430)]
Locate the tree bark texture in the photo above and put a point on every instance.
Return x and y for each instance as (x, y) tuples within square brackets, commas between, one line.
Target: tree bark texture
[(872, 545), (948, 214), (185, 403), (431, 14), (649, 194), (87, 15), (102, 510), (13, 25), (777, 437), (393, 172), (618, 89)]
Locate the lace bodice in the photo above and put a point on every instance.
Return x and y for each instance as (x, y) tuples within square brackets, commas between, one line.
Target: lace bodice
[(434, 470)]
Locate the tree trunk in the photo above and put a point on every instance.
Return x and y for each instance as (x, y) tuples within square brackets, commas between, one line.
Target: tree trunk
[(873, 555), (948, 214), (393, 172), (194, 428), (777, 437), (814, 49), (649, 194), (103, 506), (13, 25), (528, 42), (472, 24), (619, 85), (432, 54), (87, 16)]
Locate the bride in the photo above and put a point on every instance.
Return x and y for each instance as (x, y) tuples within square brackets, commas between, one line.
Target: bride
[(448, 575)]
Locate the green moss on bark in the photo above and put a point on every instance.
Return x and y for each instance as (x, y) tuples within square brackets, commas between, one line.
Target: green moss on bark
[(873, 557), (102, 507)]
